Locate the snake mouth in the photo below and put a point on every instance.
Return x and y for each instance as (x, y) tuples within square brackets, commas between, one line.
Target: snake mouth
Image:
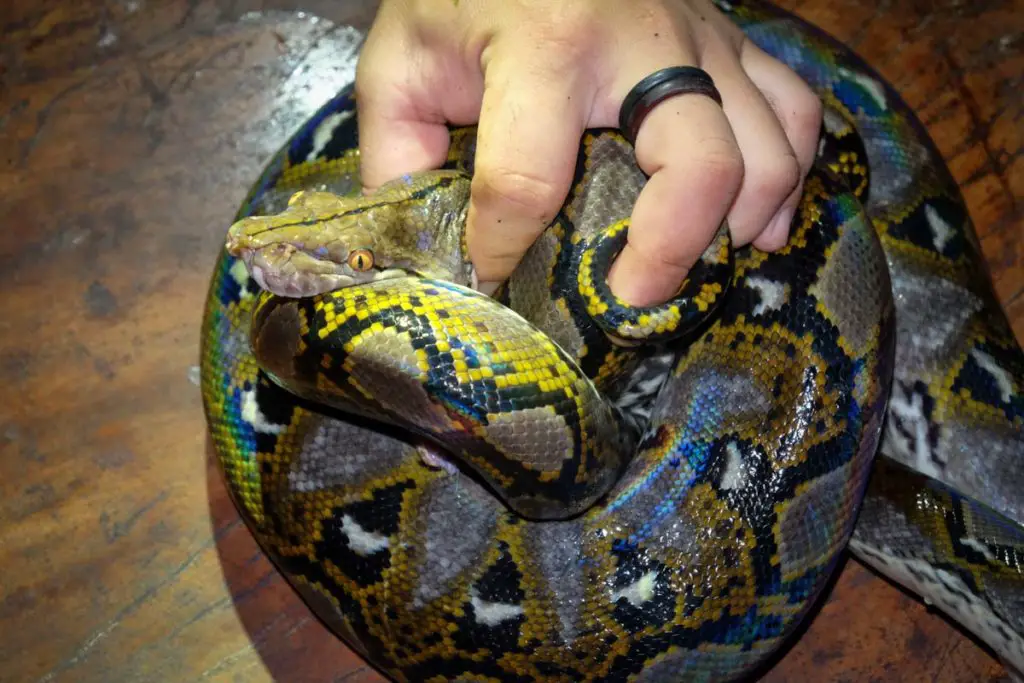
[(298, 285), (287, 271)]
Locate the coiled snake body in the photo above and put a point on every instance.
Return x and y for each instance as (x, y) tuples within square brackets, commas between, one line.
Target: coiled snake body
[(674, 518)]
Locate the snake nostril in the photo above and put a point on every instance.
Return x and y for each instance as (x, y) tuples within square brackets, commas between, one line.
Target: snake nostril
[(231, 244)]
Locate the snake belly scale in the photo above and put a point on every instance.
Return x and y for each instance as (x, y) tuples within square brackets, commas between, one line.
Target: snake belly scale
[(859, 388)]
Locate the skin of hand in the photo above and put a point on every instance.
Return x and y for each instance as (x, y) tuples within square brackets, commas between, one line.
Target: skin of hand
[(533, 74)]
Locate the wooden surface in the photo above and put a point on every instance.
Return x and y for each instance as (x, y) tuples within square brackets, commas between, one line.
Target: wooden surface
[(129, 132)]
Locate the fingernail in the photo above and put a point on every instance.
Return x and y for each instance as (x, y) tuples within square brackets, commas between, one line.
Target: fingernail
[(485, 287), (779, 230)]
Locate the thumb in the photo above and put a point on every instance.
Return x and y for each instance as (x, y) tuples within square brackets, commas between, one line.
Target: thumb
[(403, 105)]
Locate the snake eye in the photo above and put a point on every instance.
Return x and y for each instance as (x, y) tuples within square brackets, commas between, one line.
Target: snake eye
[(360, 260)]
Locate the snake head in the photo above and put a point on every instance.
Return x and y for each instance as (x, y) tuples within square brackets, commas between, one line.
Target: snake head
[(322, 242), (319, 243)]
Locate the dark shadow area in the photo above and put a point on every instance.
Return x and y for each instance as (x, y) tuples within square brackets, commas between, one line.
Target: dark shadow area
[(294, 645), (801, 629)]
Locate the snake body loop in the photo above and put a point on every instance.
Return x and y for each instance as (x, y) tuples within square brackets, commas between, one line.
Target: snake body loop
[(551, 486)]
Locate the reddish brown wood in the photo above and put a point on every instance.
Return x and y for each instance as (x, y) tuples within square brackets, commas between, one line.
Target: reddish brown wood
[(129, 132)]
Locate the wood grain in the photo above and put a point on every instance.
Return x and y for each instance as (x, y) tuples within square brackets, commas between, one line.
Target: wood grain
[(129, 132)]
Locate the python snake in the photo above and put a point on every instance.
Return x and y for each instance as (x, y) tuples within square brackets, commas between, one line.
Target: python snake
[(743, 454)]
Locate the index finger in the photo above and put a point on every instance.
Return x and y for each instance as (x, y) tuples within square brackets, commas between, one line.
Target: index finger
[(531, 123), (403, 105)]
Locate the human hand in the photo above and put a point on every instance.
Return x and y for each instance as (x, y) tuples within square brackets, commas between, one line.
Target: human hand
[(535, 73)]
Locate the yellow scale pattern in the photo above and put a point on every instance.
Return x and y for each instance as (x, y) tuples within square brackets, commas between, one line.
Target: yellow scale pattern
[(510, 360)]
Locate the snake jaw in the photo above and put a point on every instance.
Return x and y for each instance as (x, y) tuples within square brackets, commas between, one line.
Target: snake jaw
[(390, 273), (284, 270), (286, 264), (289, 272), (299, 286)]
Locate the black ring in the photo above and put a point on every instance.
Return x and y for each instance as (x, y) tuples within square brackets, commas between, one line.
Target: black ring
[(660, 85)]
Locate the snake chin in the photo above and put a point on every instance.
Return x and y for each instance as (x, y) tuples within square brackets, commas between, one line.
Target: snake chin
[(286, 271), (286, 281), (298, 285), (390, 274)]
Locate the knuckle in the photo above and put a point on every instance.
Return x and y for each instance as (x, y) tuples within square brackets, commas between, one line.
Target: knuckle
[(721, 164), (567, 22), (525, 194), (563, 46), (805, 112), (729, 32), (776, 176), (567, 33)]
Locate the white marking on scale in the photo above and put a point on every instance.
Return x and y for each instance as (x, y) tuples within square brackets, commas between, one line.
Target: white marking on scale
[(361, 541), (638, 592), (772, 294), (251, 414), (978, 546), (325, 130), (941, 230), (493, 613), (1001, 377), (916, 447), (873, 87), (735, 475)]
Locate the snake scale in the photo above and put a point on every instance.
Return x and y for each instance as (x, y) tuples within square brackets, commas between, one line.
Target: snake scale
[(742, 454)]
